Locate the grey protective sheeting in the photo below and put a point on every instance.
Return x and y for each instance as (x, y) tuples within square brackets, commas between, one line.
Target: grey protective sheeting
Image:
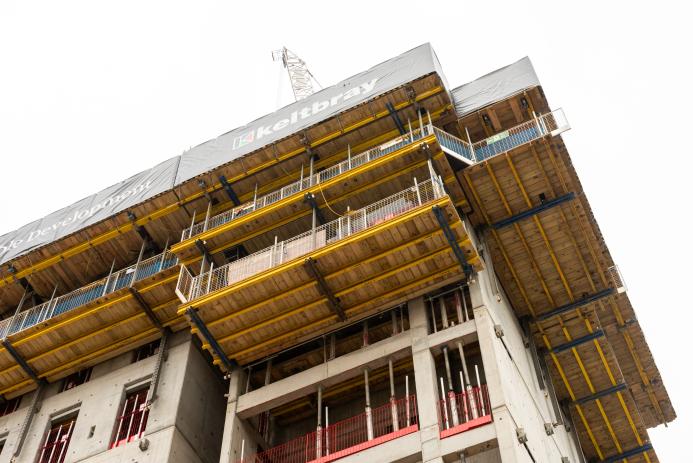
[(290, 119), (495, 86), (309, 111), (89, 210)]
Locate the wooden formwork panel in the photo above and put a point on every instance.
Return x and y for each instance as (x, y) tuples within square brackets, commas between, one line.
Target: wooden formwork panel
[(367, 271), (547, 260)]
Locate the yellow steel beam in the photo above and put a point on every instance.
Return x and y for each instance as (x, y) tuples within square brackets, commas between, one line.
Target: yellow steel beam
[(267, 274), (102, 238), (290, 292), (91, 311), (298, 196), (531, 309), (272, 319), (292, 176), (448, 270), (97, 332), (600, 272), (307, 212), (569, 292)]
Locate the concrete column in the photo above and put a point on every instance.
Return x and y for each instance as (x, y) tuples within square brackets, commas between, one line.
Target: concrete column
[(234, 429), (425, 379), (509, 447)]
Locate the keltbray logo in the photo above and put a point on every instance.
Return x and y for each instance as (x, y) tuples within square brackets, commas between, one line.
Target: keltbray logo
[(316, 107), (78, 215)]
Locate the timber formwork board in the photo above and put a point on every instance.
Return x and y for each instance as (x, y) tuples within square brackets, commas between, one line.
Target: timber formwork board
[(556, 257), (91, 333), (369, 272), (73, 261), (352, 189)]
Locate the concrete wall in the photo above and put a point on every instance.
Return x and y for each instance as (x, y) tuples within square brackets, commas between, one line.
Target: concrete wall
[(516, 398), (175, 432)]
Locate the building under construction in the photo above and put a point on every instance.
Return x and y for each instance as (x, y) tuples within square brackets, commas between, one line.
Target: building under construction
[(388, 270)]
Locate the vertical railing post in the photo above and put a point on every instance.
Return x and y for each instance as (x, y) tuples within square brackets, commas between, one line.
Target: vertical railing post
[(53, 300), (418, 193), (318, 429), (451, 391), (209, 212), (471, 145), (393, 401), (444, 402), (137, 264), (536, 122), (192, 224), (478, 383), (108, 279), (467, 383), (369, 415), (349, 155), (406, 401), (209, 279)]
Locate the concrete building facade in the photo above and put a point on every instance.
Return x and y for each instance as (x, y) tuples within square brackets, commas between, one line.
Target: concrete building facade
[(388, 270)]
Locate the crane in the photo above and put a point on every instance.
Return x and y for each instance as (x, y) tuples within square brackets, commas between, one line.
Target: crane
[(299, 75)]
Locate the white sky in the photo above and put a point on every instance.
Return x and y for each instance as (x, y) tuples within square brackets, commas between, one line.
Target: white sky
[(92, 92)]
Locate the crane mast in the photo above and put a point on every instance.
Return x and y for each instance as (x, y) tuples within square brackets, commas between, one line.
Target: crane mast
[(299, 75)]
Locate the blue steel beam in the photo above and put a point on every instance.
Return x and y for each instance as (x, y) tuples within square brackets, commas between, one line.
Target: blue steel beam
[(395, 117), (20, 361), (600, 394), (202, 328), (452, 241), (577, 341), (628, 453), (229, 190), (533, 211), (574, 305)]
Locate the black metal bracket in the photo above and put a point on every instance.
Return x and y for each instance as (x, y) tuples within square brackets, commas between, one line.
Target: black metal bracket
[(335, 304), (202, 247), (628, 453), (310, 199), (574, 305), (395, 117), (577, 341), (229, 190), (600, 394), (144, 234), (146, 309), (202, 328), (533, 211), (452, 241), (21, 362)]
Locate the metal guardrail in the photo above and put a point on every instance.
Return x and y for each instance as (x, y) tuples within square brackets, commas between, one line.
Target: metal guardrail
[(462, 408), (192, 287), (551, 123), (79, 297), (351, 163), (548, 124), (346, 437)]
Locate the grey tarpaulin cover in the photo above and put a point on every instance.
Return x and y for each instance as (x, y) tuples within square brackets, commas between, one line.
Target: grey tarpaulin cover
[(494, 86), (288, 120)]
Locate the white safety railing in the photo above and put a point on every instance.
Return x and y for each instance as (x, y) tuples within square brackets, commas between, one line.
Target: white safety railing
[(551, 123), (350, 163), (192, 287), (79, 297)]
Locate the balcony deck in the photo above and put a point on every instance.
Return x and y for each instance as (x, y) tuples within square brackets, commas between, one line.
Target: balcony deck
[(394, 258), (90, 325), (382, 170), (555, 267)]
